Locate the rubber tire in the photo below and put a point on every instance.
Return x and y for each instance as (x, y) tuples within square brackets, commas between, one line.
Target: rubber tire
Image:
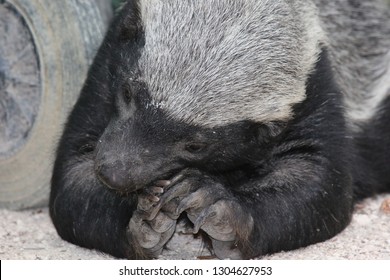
[(66, 35)]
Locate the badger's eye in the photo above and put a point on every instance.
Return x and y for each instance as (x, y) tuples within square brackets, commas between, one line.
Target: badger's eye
[(87, 148), (195, 147), (127, 95)]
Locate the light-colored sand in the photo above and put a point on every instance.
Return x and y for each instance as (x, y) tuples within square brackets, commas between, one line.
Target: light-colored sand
[(30, 235)]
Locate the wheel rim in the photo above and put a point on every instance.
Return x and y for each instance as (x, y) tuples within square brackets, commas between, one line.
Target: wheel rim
[(20, 84)]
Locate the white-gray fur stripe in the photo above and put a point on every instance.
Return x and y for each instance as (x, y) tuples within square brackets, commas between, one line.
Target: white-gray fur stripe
[(204, 59), (380, 90), (359, 43)]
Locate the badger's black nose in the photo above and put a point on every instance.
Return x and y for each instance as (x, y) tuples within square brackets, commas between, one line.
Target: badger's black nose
[(113, 175)]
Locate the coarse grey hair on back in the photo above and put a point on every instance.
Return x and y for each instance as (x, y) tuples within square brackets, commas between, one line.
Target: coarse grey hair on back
[(359, 43), (215, 62)]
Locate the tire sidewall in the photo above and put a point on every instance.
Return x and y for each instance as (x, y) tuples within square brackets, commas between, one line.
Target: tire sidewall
[(64, 52)]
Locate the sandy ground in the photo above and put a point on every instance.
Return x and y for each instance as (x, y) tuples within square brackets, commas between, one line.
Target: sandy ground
[(30, 235)]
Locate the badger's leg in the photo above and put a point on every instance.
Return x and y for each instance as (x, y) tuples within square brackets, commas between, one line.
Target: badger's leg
[(83, 210), (88, 213), (299, 203)]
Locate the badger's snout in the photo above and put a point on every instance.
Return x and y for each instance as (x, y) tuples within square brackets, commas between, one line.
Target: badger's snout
[(114, 176), (129, 157), (126, 172)]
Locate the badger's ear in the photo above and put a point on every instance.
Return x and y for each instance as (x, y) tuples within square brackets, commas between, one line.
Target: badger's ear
[(265, 132), (128, 29), (129, 26)]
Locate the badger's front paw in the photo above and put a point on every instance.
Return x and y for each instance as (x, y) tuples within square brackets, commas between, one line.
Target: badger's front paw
[(149, 229), (212, 208), (216, 212)]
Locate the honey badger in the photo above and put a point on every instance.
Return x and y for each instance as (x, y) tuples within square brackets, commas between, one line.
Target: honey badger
[(262, 122)]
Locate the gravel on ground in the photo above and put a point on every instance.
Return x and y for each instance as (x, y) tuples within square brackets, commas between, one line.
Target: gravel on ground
[(30, 235)]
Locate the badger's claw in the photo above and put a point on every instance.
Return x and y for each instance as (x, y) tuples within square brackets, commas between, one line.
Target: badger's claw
[(226, 224), (212, 208), (178, 189), (149, 230), (151, 236)]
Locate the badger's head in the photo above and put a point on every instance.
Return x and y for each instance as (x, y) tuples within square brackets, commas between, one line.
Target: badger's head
[(203, 84)]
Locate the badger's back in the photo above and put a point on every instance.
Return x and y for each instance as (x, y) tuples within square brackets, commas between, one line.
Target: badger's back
[(214, 62), (358, 34), (197, 56), (358, 37)]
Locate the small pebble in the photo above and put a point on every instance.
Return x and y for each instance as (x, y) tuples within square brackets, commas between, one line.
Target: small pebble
[(385, 207), (362, 219)]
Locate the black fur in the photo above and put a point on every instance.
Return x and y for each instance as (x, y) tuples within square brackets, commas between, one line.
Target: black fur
[(294, 179), (371, 155), (86, 212)]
